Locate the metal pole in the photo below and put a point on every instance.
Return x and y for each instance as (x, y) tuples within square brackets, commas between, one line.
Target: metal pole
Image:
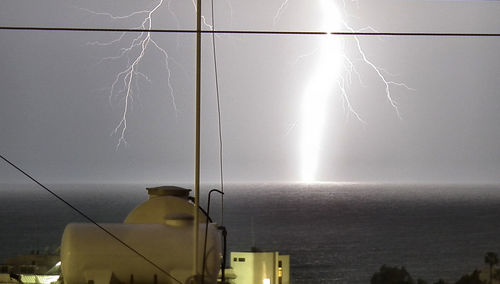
[(197, 143)]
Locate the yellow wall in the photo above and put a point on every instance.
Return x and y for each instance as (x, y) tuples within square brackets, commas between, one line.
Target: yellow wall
[(255, 267)]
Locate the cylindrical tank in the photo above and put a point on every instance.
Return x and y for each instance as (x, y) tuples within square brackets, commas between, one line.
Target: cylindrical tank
[(160, 229)]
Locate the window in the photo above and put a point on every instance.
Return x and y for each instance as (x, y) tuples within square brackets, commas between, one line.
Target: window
[(242, 259)]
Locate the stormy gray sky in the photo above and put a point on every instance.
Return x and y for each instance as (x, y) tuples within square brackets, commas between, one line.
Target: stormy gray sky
[(57, 117)]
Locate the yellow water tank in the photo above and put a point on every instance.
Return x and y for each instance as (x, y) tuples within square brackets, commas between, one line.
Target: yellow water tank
[(160, 229)]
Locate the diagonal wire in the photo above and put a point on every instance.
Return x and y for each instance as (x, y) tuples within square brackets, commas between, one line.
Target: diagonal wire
[(88, 218)]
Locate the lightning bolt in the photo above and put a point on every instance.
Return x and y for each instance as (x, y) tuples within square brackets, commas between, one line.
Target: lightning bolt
[(203, 18), (380, 73), (126, 80), (331, 56), (279, 12)]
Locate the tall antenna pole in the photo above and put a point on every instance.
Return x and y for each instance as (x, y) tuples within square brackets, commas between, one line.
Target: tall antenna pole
[(197, 143)]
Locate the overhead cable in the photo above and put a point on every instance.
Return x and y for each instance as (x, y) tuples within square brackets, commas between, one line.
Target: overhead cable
[(219, 115), (250, 32)]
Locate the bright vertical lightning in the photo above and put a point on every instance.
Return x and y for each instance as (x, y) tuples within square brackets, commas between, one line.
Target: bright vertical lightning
[(332, 74), (317, 91)]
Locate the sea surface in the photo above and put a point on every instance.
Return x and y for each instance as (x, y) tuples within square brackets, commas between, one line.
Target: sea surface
[(334, 233)]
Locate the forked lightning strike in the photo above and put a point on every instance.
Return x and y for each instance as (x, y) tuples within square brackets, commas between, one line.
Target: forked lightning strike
[(379, 71), (349, 67), (279, 12), (331, 60), (126, 80)]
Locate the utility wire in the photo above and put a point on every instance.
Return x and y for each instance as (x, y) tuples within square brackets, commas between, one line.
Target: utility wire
[(88, 218), (219, 113), (250, 32)]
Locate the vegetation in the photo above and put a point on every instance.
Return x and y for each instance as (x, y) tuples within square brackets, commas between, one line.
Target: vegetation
[(471, 278), (491, 259), (397, 275), (496, 274)]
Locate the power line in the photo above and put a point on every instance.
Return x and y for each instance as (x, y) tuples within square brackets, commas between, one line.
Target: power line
[(429, 34), (88, 218), (219, 114), (250, 32)]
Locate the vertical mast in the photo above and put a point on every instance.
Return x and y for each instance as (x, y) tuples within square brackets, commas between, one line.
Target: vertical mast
[(197, 143)]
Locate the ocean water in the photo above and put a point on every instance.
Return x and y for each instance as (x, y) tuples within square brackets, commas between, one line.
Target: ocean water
[(334, 233)]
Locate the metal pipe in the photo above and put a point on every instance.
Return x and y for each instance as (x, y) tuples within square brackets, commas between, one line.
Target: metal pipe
[(224, 236), (206, 234)]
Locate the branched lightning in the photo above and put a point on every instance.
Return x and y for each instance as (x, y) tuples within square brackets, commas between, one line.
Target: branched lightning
[(350, 67), (313, 109), (303, 56), (379, 71), (203, 18), (279, 12), (126, 81)]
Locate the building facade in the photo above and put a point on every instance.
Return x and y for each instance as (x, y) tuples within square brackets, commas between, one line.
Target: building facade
[(260, 268)]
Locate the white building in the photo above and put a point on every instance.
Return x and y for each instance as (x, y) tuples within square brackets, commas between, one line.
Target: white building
[(260, 268)]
